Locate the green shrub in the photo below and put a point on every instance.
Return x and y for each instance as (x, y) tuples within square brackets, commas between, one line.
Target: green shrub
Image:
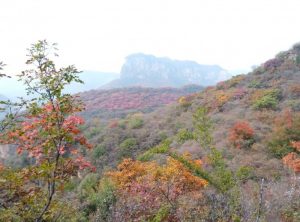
[(245, 173), (127, 146), (221, 175), (279, 148), (163, 135), (269, 100), (88, 184), (94, 131), (101, 201), (98, 151), (163, 147), (135, 123), (279, 143), (162, 214), (184, 135), (122, 124), (256, 84)]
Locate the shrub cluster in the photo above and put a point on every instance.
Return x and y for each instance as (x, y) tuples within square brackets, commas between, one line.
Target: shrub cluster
[(241, 135), (268, 100)]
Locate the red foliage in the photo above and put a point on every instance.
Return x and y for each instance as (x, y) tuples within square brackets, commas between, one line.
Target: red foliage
[(240, 133), (131, 98), (292, 161), (36, 135)]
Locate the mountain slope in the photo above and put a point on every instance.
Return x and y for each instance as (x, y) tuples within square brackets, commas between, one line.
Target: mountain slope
[(257, 98), (119, 102), (150, 71), (256, 121)]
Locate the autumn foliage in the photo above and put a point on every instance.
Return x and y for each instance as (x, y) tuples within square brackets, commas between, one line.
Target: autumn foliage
[(146, 187), (48, 134), (296, 145), (241, 135), (292, 160)]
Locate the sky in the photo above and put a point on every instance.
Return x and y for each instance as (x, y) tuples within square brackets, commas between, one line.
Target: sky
[(99, 34)]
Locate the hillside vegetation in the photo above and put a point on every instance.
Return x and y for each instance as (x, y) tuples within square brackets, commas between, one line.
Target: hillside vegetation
[(119, 102), (228, 153), (255, 122)]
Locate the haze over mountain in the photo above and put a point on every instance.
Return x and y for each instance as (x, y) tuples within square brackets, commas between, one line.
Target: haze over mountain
[(150, 71), (138, 70), (12, 88), (92, 80)]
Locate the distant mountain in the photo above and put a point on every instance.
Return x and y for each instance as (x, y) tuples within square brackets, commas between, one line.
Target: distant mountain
[(150, 71), (12, 88), (119, 102)]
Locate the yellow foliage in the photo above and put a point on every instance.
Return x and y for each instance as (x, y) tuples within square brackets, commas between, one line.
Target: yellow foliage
[(130, 171), (222, 97)]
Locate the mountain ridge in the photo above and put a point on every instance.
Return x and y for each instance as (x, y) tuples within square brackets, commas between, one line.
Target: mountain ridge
[(146, 70)]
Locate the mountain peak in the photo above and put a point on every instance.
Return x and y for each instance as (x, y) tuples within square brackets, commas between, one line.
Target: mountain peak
[(151, 71)]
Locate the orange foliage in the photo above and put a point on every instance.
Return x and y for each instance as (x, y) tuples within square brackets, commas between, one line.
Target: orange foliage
[(222, 98), (296, 145), (130, 171), (144, 187), (292, 161), (241, 132), (186, 100)]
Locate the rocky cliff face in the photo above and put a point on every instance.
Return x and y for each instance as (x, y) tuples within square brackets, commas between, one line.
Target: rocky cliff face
[(150, 71)]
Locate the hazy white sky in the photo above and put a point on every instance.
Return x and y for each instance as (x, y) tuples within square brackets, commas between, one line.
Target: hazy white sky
[(98, 34)]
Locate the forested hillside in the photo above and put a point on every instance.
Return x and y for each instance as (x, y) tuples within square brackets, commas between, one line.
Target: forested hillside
[(227, 153), (254, 123), (120, 102)]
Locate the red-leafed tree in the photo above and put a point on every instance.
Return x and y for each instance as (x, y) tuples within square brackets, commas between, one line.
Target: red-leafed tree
[(47, 132), (241, 135), (292, 160)]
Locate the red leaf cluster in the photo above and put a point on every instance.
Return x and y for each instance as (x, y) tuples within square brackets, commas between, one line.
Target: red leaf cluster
[(239, 133), (292, 161)]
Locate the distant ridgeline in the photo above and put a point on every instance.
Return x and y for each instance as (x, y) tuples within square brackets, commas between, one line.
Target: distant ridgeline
[(150, 71)]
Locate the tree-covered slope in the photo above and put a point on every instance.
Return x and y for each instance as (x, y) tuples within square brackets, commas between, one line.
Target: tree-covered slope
[(255, 122), (107, 104)]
